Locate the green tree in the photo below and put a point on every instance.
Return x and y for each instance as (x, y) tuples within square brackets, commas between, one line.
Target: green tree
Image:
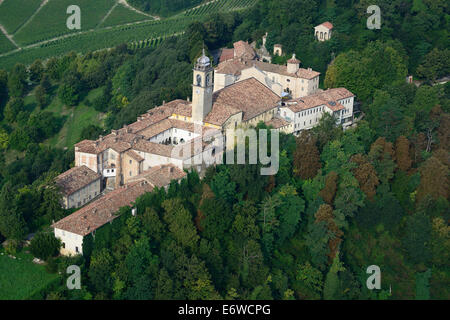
[(180, 223), (331, 289), (44, 245), (36, 71), (13, 108)]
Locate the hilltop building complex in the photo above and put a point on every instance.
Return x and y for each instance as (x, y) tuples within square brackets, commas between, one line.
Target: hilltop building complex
[(151, 152)]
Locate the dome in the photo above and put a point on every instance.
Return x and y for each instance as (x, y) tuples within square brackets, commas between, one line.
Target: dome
[(203, 61)]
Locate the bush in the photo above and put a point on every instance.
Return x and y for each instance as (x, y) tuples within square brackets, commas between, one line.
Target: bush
[(51, 266), (45, 245), (11, 247)]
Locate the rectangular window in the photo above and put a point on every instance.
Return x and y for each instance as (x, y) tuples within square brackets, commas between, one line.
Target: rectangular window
[(76, 249)]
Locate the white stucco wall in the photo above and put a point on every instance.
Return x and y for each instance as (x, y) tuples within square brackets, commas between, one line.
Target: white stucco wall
[(71, 242), (325, 32)]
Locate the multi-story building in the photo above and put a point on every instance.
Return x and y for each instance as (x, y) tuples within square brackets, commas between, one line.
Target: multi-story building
[(178, 135), (288, 80), (78, 186), (305, 113)]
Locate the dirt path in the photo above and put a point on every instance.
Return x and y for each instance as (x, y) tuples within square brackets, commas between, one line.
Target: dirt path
[(125, 3), (200, 5), (67, 36), (32, 16), (3, 30), (107, 15)]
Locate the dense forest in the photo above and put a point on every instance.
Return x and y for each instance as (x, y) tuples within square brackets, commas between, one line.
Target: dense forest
[(341, 201)]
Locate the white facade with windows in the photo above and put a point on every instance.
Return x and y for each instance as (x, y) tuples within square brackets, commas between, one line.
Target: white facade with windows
[(71, 243)]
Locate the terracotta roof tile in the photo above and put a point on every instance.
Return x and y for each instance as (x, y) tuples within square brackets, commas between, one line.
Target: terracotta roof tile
[(320, 98), (226, 54), (249, 96), (327, 25), (242, 49), (277, 123), (75, 179), (134, 155), (236, 66), (101, 211), (160, 176)]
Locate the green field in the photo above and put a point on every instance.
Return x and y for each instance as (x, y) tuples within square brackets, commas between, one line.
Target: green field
[(220, 6), (102, 38), (77, 118), (39, 38), (20, 278), (14, 13), (5, 44), (50, 22), (123, 15)]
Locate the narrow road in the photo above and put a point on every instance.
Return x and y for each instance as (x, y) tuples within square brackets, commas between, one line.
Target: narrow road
[(107, 15), (8, 36), (125, 3), (32, 16)]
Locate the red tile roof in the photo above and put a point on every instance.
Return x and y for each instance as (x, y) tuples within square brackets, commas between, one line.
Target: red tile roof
[(320, 98), (243, 49), (277, 123), (75, 179), (249, 96), (327, 25), (160, 176), (101, 211), (236, 66), (226, 54), (134, 155)]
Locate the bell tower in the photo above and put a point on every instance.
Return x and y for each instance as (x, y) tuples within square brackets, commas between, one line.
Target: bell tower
[(202, 88)]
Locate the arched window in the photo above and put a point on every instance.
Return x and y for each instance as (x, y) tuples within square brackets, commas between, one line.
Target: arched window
[(199, 80), (317, 34), (207, 79), (321, 35)]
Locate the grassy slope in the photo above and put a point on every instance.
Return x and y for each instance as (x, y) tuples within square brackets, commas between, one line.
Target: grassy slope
[(51, 20), (21, 278), (5, 44), (77, 118), (14, 13), (122, 15)]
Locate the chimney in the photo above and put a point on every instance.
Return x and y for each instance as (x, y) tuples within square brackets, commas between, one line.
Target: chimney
[(188, 99), (114, 132), (164, 102), (100, 138)]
